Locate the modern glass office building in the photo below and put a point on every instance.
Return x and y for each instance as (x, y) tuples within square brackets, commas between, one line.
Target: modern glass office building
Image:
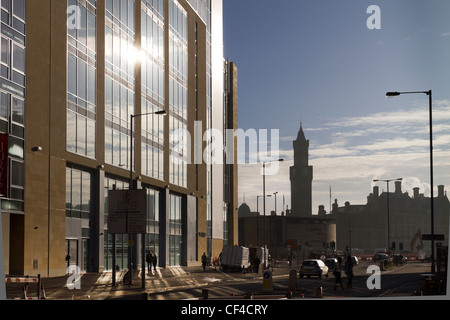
[(83, 85)]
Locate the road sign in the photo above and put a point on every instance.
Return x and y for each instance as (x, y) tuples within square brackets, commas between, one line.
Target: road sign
[(438, 237), (127, 211)]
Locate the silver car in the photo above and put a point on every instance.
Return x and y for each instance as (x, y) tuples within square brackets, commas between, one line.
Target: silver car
[(313, 267)]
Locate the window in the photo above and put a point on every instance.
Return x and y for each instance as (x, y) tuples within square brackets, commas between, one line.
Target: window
[(175, 230), (178, 93), (78, 193), (82, 82), (19, 9), (119, 81)]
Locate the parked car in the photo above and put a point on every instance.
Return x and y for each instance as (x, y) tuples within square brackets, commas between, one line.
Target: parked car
[(330, 262), (313, 267), (380, 256)]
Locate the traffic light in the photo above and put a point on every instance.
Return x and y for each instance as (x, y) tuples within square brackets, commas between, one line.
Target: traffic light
[(333, 245), (393, 246)]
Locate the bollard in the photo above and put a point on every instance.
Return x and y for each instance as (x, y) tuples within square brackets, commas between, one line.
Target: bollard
[(24, 292), (205, 293), (39, 287), (145, 296), (293, 281), (319, 292), (42, 296), (249, 296)]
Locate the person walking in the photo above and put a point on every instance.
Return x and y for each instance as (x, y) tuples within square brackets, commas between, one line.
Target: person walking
[(204, 260), (149, 260), (348, 268), (337, 274), (154, 261), (257, 262)]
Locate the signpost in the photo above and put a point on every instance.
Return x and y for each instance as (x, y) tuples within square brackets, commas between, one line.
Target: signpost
[(127, 215), (127, 211)]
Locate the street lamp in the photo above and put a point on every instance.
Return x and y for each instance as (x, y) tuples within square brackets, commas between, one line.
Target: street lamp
[(387, 200), (132, 116), (430, 106), (264, 204), (257, 217), (275, 194)]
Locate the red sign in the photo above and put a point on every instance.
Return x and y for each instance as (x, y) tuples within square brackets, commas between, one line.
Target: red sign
[(4, 165)]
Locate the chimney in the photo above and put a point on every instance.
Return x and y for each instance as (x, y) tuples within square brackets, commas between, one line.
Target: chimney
[(376, 191), (416, 193), (440, 191), (335, 206), (398, 187), (322, 211)]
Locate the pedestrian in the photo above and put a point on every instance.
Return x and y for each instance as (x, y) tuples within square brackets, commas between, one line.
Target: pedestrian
[(155, 261), (348, 268), (149, 260), (257, 262), (204, 260), (337, 274)]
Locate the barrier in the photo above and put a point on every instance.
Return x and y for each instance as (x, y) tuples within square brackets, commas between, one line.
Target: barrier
[(27, 280), (22, 279)]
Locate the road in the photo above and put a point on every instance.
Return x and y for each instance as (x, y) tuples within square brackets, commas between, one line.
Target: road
[(179, 283), (399, 281)]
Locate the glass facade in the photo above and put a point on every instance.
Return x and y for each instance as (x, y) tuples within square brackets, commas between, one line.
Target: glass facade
[(175, 230), (81, 78), (120, 58), (153, 221), (79, 189), (78, 193), (110, 183), (178, 74), (153, 91), (12, 98), (163, 84)]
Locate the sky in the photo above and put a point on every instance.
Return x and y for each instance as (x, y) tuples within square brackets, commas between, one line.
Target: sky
[(317, 63)]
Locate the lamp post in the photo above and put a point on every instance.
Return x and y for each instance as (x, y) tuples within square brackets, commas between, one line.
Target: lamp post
[(275, 194), (264, 204), (257, 217), (430, 106), (132, 116), (387, 200)]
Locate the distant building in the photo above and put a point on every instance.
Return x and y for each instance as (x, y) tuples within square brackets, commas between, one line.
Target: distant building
[(365, 227)]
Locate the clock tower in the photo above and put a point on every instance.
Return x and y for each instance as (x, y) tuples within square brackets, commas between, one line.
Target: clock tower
[(301, 176)]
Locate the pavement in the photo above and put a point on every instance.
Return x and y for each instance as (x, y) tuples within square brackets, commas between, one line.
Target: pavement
[(98, 286)]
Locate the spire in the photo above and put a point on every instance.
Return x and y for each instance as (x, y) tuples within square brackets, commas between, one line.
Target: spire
[(301, 134)]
